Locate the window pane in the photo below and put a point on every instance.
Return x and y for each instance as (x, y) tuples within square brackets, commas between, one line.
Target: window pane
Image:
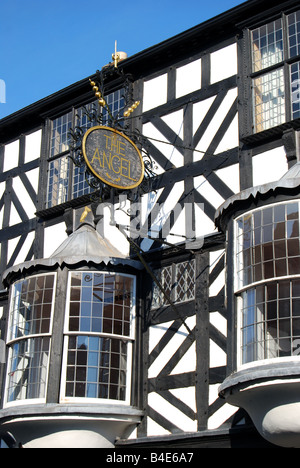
[(80, 182), (58, 181), (269, 100), (270, 320), (31, 306), (98, 303), (295, 88), (270, 250), (59, 136), (96, 368), (27, 369), (178, 282), (267, 45), (294, 33)]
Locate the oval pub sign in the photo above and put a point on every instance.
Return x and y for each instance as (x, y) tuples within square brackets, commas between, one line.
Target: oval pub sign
[(113, 157)]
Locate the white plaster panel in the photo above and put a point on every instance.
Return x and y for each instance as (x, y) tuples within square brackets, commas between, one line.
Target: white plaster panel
[(33, 177), (33, 146), (230, 176), (269, 166), (187, 395), (231, 138), (164, 146), (156, 333), (154, 429), (214, 257), (217, 357), (155, 92), (219, 322), (188, 78), (187, 363), (11, 156), (113, 234), (24, 198), (204, 225), (14, 217), (218, 284), (171, 413), (208, 191), (175, 121), (200, 110), (223, 63), (159, 221), (216, 122), (12, 244), (53, 238)]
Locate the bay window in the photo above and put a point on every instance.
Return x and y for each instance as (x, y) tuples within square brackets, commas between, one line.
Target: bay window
[(267, 265), (29, 338), (99, 335)]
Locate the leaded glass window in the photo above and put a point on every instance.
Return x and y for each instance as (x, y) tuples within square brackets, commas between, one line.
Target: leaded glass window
[(59, 136), (294, 33), (267, 267), (295, 88), (178, 282), (267, 45), (275, 50), (65, 180), (29, 338), (99, 335)]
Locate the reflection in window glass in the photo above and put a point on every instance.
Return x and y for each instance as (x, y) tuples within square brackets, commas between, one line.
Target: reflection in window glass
[(272, 45), (294, 33), (64, 179), (97, 367), (178, 281), (59, 137), (101, 303), (100, 328), (29, 325), (295, 88), (267, 45), (268, 269), (28, 365), (270, 321), (31, 306), (58, 182), (269, 100), (268, 244)]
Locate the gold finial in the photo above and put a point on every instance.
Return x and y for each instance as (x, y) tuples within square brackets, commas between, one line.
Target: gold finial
[(131, 109), (98, 94), (116, 56), (86, 211)]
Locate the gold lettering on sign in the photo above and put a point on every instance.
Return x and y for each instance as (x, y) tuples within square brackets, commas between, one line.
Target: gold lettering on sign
[(113, 157)]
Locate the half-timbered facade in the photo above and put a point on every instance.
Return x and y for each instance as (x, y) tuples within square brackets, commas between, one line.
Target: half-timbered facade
[(218, 115)]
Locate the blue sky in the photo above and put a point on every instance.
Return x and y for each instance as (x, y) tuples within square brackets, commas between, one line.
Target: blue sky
[(48, 45)]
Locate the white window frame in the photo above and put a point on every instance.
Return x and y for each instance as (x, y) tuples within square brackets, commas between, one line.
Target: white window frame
[(11, 342), (129, 339), (239, 289)]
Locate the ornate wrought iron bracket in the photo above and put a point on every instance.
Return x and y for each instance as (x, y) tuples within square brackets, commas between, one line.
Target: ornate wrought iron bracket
[(120, 122)]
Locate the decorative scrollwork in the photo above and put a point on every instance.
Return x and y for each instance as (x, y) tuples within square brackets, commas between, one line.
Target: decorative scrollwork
[(95, 115)]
